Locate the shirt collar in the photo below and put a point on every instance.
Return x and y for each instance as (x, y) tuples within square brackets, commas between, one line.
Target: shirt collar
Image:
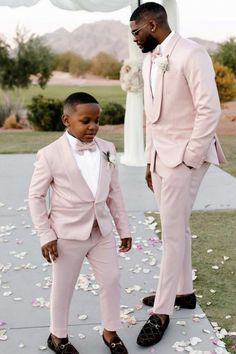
[(72, 140), (164, 44)]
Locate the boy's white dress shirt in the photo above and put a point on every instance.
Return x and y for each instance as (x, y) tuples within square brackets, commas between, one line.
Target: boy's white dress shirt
[(88, 162)]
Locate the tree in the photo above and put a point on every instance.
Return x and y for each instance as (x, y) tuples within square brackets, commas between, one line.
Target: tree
[(105, 65), (62, 61), (30, 57), (72, 63), (78, 65), (226, 54)]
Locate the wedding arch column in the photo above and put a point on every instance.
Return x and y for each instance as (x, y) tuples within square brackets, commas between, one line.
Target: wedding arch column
[(133, 126)]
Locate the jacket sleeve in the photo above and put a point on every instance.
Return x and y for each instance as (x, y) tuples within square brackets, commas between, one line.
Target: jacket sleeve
[(200, 76), (40, 183), (116, 205)]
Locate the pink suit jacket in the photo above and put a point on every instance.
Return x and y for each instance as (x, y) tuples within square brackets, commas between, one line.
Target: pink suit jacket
[(182, 117), (73, 208)]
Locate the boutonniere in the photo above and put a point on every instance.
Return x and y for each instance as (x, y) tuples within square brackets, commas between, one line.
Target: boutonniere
[(163, 63), (111, 159)]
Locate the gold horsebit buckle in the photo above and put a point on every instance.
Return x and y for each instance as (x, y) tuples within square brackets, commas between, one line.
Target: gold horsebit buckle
[(113, 345), (63, 346), (157, 326)]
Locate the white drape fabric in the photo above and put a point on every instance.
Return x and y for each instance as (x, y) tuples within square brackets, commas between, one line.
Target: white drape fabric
[(87, 5), (133, 131)]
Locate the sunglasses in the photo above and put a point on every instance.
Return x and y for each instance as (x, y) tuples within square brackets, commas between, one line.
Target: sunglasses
[(136, 31)]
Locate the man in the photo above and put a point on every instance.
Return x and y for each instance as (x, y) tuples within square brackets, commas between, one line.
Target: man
[(182, 111)]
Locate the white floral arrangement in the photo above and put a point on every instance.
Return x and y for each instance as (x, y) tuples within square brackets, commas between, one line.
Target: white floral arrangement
[(131, 76), (163, 63)]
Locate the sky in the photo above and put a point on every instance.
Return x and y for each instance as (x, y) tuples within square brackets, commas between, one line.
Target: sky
[(207, 19)]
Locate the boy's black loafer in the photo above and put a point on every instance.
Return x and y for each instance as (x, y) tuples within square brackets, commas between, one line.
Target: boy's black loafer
[(116, 345), (65, 347), (152, 331)]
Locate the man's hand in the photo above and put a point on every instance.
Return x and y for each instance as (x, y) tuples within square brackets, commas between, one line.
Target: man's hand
[(49, 251), (148, 177), (126, 244)]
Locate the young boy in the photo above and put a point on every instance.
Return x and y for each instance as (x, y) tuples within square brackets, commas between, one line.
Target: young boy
[(83, 176)]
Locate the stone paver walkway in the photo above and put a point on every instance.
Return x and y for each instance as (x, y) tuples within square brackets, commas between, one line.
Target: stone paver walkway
[(25, 277)]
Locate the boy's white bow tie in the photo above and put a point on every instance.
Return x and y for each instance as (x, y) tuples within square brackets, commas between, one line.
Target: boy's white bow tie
[(81, 147)]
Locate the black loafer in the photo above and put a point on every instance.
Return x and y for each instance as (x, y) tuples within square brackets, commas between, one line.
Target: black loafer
[(116, 345), (185, 301), (152, 331), (65, 347)]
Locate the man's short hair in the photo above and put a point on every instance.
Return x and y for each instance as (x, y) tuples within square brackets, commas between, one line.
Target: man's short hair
[(78, 98), (150, 10)]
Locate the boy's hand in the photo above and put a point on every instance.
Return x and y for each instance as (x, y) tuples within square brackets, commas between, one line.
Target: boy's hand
[(49, 251), (126, 244)]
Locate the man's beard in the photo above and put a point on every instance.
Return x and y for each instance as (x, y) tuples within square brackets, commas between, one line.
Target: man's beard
[(149, 44)]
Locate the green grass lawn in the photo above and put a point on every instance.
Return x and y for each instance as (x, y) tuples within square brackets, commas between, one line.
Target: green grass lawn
[(215, 230), (103, 94), (30, 141), (21, 142), (229, 146)]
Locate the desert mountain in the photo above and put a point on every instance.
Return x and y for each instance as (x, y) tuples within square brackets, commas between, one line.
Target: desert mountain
[(90, 39), (102, 36)]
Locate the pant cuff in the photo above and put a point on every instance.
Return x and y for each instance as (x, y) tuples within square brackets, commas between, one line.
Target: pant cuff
[(162, 311), (112, 326), (59, 332)]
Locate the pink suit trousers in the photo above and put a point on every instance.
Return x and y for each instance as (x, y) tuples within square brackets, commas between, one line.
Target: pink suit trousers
[(102, 255), (175, 190)]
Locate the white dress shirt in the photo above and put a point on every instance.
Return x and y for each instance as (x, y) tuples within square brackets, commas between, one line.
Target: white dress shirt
[(88, 163), (154, 68)]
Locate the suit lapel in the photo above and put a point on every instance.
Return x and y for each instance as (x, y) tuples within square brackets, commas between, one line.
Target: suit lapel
[(158, 96), (148, 96), (74, 175), (161, 76)]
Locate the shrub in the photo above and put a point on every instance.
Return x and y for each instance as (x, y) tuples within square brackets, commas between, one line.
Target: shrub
[(225, 82), (12, 122), (105, 65), (226, 54), (78, 65), (62, 61), (5, 111), (9, 105), (45, 114), (73, 63), (112, 113)]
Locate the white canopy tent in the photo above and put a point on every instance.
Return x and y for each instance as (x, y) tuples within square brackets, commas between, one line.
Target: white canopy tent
[(133, 130)]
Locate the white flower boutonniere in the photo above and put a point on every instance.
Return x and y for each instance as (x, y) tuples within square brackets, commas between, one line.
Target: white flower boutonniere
[(163, 63), (111, 159)]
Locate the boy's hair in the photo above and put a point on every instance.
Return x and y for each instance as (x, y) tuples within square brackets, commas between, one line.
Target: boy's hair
[(147, 9), (78, 98)]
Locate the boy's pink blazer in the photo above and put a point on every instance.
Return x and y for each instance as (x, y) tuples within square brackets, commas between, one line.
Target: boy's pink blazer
[(73, 208), (181, 119)]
